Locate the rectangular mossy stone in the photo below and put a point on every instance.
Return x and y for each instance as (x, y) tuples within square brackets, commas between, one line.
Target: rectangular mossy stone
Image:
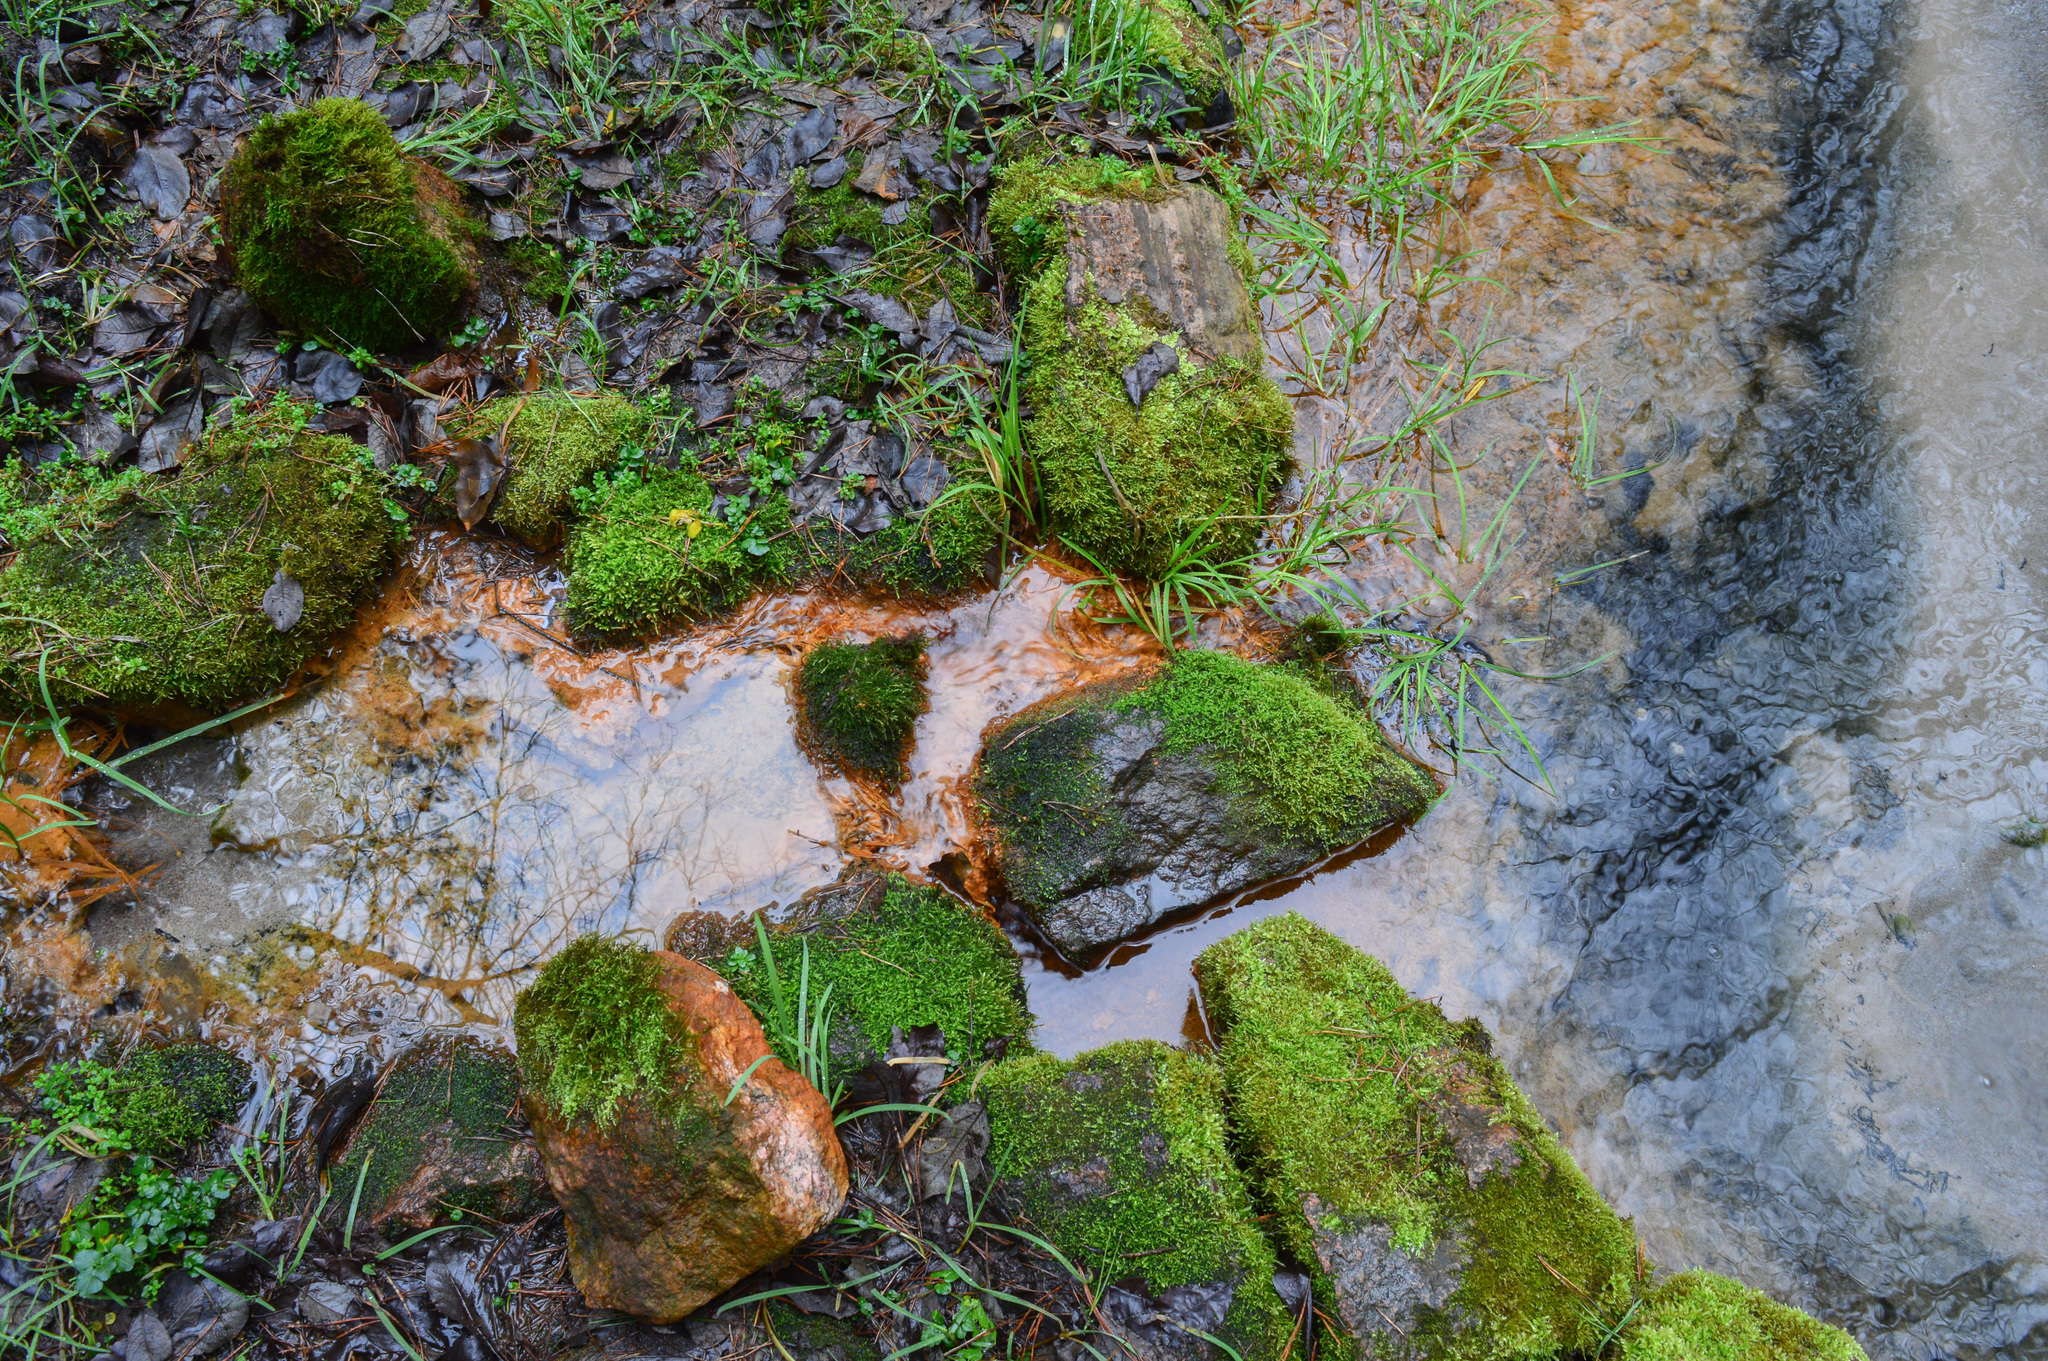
[(1437, 1214), (1119, 1159)]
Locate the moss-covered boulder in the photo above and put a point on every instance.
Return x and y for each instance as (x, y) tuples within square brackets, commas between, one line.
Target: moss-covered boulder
[(1438, 1214), (1119, 1158), (1698, 1316), (555, 443), (684, 1155), (1118, 803), (648, 550), (860, 702), (1157, 436), (334, 231), (896, 955), (133, 589), (444, 1140)]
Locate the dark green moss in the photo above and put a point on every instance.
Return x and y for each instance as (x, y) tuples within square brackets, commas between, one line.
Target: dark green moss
[(557, 442), (861, 701), (541, 267), (1145, 490), (901, 954), (595, 1031), (1119, 1158), (1365, 1107), (647, 551), (141, 589), (158, 1102), (1040, 782), (448, 1103), (1698, 1316), (332, 230), (818, 1337), (943, 550)]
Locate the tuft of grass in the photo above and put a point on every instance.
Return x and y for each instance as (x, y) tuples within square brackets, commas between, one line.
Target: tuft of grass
[(333, 231), (595, 1031), (861, 701)]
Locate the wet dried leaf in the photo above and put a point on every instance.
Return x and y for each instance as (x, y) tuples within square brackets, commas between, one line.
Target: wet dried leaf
[(284, 602), (479, 470), (444, 373), (159, 179)]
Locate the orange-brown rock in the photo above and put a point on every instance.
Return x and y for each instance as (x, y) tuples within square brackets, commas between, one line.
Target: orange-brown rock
[(667, 1207)]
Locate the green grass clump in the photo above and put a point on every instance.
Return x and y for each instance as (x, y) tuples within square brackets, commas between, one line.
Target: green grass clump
[(158, 1103), (595, 1031), (451, 1101), (1130, 486), (861, 701), (1698, 1316), (646, 550), (1297, 761), (1120, 1158), (1361, 1105), (141, 589), (908, 956), (332, 230), (557, 442)]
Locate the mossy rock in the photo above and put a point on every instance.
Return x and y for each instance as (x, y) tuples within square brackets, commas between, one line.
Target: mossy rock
[(555, 444), (647, 551), (334, 231), (1698, 1316), (443, 1142), (861, 701), (945, 549), (141, 590), (178, 1095), (1121, 802), (1183, 42), (1120, 1159), (896, 955), (1184, 473), (1438, 1214)]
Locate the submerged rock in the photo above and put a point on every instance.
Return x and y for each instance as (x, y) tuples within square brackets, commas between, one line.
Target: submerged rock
[(680, 1165), (1156, 434), (1121, 802), (441, 1137), (1437, 1213), (1123, 1149)]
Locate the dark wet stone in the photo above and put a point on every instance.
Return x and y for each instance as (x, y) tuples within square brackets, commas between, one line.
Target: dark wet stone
[(160, 181), (1144, 372), (828, 174), (1174, 254)]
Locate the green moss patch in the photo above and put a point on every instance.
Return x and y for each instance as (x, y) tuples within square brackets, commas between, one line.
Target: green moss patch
[(439, 1141), (647, 550), (911, 264), (1393, 1147), (158, 1102), (1698, 1316), (1024, 210), (1298, 761), (1119, 1157), (596, 1031), (556, 443), (900, 954), (332, 230), (861, 701), (942, 550), (1144, 489), (141, 589)]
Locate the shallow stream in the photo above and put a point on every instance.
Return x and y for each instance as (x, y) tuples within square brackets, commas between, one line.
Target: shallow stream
[(1766, 957)]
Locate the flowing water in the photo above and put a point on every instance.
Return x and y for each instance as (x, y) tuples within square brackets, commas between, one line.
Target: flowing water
[(1766, 957)]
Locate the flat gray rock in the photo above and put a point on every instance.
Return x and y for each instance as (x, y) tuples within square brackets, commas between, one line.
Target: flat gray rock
[(1174, 254)]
